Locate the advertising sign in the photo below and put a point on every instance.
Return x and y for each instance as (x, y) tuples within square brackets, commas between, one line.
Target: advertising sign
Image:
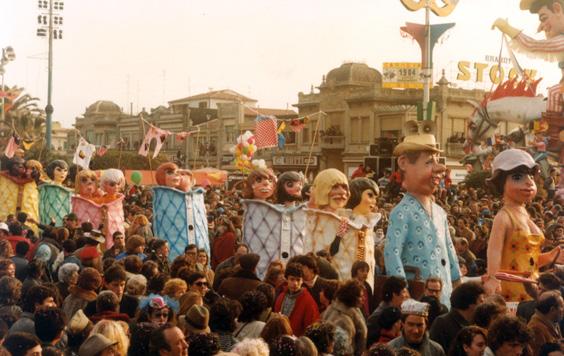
[(404, 75)]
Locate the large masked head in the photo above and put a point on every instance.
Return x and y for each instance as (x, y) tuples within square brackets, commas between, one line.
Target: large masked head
[(87, 183), (330, 190), (513, 176), (551, 15), (168, 175), (16, 167), (112, 181), (260, 184), (364, 196), (57, 171), (418, 160), (289, 187)]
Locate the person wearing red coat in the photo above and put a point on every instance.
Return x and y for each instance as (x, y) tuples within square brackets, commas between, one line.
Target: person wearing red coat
[(296, 302)]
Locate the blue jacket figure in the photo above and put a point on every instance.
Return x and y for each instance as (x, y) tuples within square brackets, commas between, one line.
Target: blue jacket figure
[(418, 233)]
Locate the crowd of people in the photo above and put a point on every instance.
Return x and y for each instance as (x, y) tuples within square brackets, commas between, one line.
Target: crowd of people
[(60, 294)]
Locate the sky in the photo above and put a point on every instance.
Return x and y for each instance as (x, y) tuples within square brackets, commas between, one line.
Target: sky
[(148, 52)]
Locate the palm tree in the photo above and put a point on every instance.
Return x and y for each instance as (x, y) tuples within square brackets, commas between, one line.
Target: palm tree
[(23, 114)]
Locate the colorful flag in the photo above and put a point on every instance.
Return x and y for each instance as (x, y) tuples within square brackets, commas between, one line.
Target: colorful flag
[(181, 136), (83, 153), (266, 132), (154, 133), (101, 151), (297, 125)]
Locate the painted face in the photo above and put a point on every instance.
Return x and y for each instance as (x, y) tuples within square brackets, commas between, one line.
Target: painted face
[(294, 188), (367, 202), (60, 174), (263, 187), (414, 329), (111, 188), (18, 169), (186, 181), (88, 186), (338, 196), (520, 186), (172, 178), (477, 347), (423, 176), (159, 316), (551, 22)]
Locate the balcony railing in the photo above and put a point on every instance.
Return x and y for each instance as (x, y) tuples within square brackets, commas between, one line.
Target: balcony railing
[(332, 142)]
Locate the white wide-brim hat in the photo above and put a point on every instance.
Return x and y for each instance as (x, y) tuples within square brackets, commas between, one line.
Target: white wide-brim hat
[(417, 143)]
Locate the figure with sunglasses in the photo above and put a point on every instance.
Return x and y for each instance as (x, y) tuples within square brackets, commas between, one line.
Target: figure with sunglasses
[(18, 191), (54, 197), (179, 212), (515, 242), (158, 310), (273, 231)]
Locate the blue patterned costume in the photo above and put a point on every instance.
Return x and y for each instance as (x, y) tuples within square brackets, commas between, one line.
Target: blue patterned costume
[(180, 218), (416, 239), (54, 203)]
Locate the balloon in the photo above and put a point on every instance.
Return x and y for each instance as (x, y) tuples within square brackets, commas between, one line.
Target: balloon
[(136, 177)]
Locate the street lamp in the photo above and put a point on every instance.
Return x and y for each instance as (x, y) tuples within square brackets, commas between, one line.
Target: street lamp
[(50, 22), (8, 55)]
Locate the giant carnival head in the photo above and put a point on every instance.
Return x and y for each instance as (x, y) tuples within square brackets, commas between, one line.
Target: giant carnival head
[(57, 171), (330, 190), (418, 161), (168, 174), (551, 15), (513, 176), (112, 181), (260, 184), (87, 181), (364, 196), (16, 167), (35, 170), (289, 187)]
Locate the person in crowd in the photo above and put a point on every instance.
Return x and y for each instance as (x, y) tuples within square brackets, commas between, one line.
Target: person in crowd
[(204, 261), (223, 246), (470, 341), (394, 293), (322, 334), (486, 313), (463, 300), (114, 280), (414, 333), (244, 279), (35, 274), (20, 261), (223, 323), (168, 340), (296, 302), (239, 250), (359, 271), (7, 268), (345, 312), (312, 281), (89, 281), (118, 247), (545, 322), (274, 276), (251, 347), (107, 308), (115, 331), (23, 344), (98, 345), (277, 326), (136, 286), (49, 325), (175, 288), (36, 298), (546, 281), (270, 295), (68, 277), (434, 288), (389, 325), (195, 321), (10, 294), (159, 253), (156, 309), (203, 344), (134, 245), (198, 283), (507, 336), (249, 325)]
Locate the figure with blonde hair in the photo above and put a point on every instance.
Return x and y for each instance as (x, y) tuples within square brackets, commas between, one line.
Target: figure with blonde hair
[(115, 331)]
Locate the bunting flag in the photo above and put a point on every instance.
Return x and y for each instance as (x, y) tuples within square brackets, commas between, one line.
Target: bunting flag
[(281, 127), (101, 151), (154, 133), (266, 132), (11, 147), (83, 153), (297, 125), (181, 136), (554, 99)]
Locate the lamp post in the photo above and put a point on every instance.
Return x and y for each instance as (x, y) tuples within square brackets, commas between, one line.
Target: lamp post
[(8, 55), (50, 21)]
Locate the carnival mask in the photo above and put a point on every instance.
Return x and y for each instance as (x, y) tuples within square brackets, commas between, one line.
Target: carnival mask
[(263, 188), (338, 196), (60, 174)]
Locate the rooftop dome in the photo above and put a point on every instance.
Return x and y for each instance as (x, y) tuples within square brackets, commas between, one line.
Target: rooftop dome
[(353, 74), (103, 107)]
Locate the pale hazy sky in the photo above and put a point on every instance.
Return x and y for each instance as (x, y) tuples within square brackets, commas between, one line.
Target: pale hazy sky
[(152, 51)]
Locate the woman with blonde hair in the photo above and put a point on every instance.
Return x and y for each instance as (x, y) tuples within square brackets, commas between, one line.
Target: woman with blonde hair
[(140, 226), (175, 288), (114, 331)]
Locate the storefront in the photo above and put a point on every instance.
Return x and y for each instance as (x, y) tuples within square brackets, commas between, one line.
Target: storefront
[(297, 163)]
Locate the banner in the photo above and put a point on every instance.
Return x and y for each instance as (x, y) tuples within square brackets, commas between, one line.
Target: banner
[(404, 75)]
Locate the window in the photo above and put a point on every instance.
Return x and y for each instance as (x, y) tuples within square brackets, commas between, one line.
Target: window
[(365, 132), (306, 135), (230, 134), (290, 137), (203, 104), (356, 129)]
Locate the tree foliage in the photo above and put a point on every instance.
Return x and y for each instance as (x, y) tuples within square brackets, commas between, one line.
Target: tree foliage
[(477, 179), (129, 160), (23, 113)]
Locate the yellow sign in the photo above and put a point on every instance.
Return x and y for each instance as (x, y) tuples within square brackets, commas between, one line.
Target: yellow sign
[(479, 72), (405, 75)]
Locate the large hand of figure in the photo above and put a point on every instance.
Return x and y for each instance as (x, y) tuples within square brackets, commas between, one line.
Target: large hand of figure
[(341, 232), (505, 27), (492, 285)]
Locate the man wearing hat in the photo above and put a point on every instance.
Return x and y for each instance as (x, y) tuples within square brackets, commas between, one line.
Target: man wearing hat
[(551, 17), (243, 280), (97, 345), (414, 333), (418, 233)]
